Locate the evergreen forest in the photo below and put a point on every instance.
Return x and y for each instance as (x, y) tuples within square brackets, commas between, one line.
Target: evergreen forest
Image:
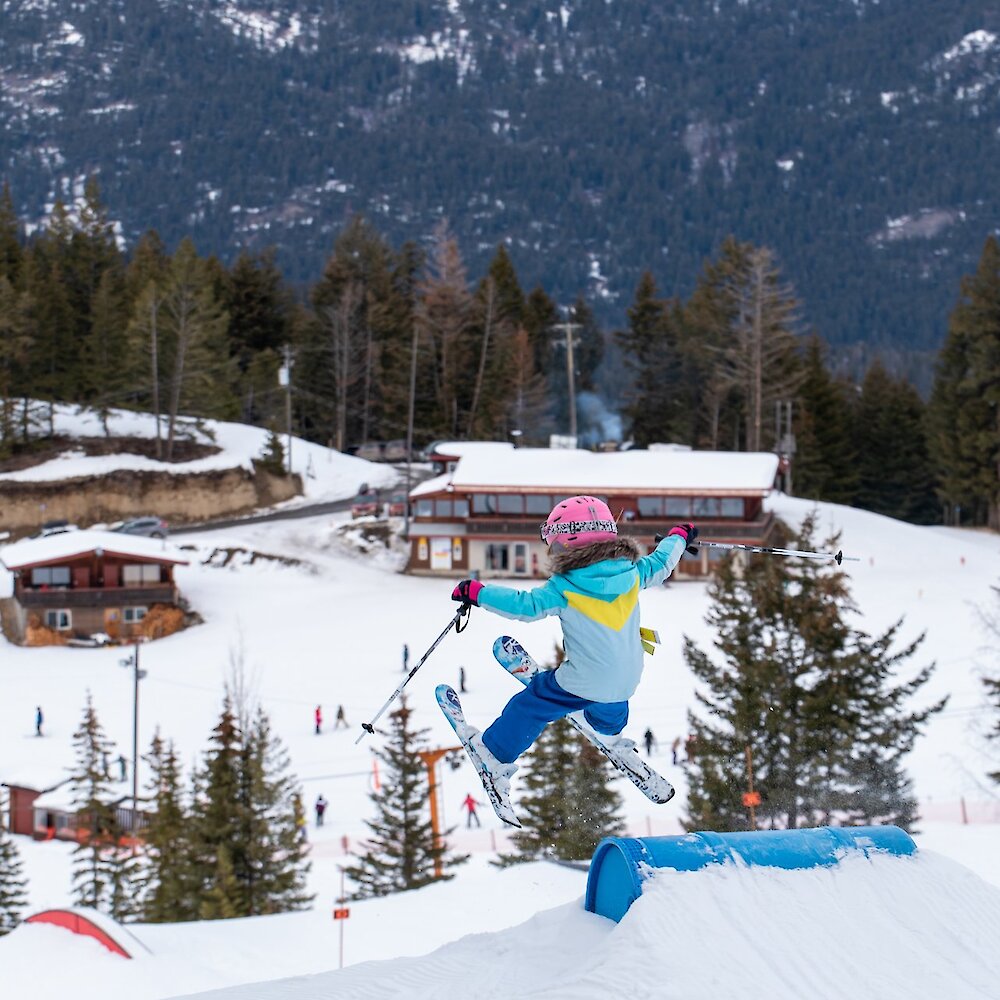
[(391, 343)]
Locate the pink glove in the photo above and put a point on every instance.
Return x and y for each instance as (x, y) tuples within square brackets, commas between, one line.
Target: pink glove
[(467, 592)]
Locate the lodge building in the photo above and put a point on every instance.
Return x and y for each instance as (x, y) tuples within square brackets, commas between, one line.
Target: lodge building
[(481, 514), (78, 583)]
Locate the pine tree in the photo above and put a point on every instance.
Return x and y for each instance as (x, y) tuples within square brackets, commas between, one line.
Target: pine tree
[(193, 323), (965, 403), (811, 696), (11, 241), (272, 458), (650, 353), (13, 885), (894, 470), (568, 803), (276, 862), (824, 465), (218, 815), (105, 869), (401, 853), (169, 893)]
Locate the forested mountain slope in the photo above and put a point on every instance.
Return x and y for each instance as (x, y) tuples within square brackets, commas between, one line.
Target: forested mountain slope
[(598, 138)]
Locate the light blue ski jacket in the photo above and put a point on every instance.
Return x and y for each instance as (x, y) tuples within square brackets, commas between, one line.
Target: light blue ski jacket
[(598, 606)]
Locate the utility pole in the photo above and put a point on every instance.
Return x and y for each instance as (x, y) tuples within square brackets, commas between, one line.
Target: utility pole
[(568, 341), (409, 430), (285, 381)]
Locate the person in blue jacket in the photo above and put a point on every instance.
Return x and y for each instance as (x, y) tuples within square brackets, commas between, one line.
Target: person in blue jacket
[(594, 589)]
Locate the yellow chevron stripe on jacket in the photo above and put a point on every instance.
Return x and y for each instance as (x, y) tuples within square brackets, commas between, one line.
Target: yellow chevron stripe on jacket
[(612, 614)]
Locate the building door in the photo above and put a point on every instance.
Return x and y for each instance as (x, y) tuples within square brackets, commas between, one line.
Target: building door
[(441, 553), (521, 558)]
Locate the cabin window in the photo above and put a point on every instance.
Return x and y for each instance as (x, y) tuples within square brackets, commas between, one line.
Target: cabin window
[(650, 506), (731, 507), (132, 615), (538, 503), (425, 508), (61, 619), (678, 507), (50, 576), (442, 508), (461, 507), (484, 503), (140, 573), (511, 503)]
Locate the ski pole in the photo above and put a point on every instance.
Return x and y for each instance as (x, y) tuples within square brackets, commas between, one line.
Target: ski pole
[(838, 557), (455, 623)]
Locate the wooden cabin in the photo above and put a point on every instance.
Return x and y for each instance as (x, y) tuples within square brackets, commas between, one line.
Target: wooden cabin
[(76, 584), (481, 515)]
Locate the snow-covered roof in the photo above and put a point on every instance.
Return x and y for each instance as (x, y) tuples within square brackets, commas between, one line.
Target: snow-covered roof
[(69, 544), (459, 449), (576, 471)]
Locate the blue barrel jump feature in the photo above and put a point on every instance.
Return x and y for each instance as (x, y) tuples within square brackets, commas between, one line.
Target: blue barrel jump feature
[(620, 865)]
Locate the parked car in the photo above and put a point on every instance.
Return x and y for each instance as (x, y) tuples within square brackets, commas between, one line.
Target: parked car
[(56, 528), (397, 505), (153, 527), (365, 505)]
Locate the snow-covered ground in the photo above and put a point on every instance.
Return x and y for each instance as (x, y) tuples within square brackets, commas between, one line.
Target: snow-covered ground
[(326, 624), (326, 474)]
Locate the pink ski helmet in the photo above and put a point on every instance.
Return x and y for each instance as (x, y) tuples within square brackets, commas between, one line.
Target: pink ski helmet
[(579, 521)]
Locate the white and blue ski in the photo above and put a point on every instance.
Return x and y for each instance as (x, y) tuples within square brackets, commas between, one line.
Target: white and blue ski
[(622, 753), (498, 796)]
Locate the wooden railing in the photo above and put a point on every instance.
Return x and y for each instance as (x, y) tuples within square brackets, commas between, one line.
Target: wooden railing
[(89, 597)]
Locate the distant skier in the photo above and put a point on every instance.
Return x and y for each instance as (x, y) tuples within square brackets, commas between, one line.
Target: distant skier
[(341, 720), (461, 680), (650, 740), (320, 809), (122, 768), (39, 719), (595, 592), (674, 747), (469, 804), (318, 715)]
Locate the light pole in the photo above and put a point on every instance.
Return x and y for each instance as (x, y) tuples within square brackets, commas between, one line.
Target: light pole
[(137, 675)]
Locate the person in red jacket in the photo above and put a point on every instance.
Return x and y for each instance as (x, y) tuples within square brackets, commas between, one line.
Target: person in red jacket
[(319, 719), (470, 804)]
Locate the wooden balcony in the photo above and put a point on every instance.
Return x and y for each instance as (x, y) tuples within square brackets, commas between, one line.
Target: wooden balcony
[(96, 597)]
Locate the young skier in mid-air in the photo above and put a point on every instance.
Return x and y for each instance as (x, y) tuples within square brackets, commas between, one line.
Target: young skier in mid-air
[(594, 589)]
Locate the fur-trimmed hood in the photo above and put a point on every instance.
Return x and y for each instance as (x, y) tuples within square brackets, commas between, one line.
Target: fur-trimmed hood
[(563, 560)]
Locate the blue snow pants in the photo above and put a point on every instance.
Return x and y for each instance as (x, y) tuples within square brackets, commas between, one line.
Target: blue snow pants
[(541, 702)]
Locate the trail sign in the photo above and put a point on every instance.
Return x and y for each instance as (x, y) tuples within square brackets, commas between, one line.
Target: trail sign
[(342, 913), (751, 799)]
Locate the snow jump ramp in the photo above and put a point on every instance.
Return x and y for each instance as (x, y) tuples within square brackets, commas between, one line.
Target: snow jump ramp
[(817, 914), (621, 865)]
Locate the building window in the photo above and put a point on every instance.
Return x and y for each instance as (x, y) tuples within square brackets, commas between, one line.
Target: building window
[(511, 503), (461, 507), (484, 503), (140, 573), (61, 619), (425, 508), (650, 506), (731, 507), (442, 508), (538, 503), (497, 557), (132, 615), (50, 576), (678, 507)]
